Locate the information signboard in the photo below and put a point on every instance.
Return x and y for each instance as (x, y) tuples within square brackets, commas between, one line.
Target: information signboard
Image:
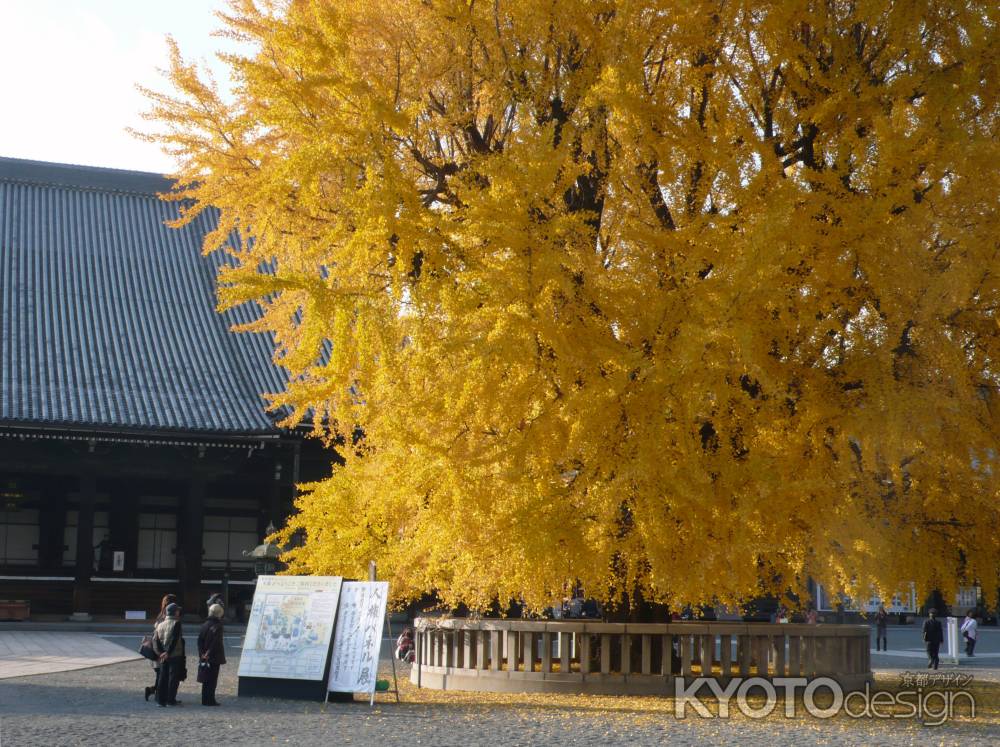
[(358, 638), (291, 622)]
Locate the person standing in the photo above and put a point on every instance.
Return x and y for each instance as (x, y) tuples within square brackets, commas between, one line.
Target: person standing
[(216, 598), (933, 636), (168, 643), (405, 650), (167, 599), (211, 654), (102, 555), (970, 630), (881, 620)]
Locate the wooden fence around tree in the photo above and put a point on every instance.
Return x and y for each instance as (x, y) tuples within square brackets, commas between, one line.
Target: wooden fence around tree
[(620, 658)]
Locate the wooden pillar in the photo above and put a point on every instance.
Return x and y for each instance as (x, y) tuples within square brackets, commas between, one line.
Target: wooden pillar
[(481, 656), (190, 526), (666, 655), (468, 656), (686, 655), (626, 654), (528, 650), (763, 655), (130, 544), (447, 656), (744, 654), (52, 518), (707, 653), (511, 650), (605, 653), (726, 656), (585, 653), (778, 653), (794, 655), (495, 650), (84, 546), (123, 526), (809, 656), (274, 509)]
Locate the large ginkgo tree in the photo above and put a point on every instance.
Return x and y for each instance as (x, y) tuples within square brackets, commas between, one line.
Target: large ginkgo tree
[(695, 300)]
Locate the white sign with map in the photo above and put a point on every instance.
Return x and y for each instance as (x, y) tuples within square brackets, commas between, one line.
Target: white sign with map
[(358, 639), (291, 621)]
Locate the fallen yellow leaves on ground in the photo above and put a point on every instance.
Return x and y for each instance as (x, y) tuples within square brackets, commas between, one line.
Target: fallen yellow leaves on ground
[(646, 710)]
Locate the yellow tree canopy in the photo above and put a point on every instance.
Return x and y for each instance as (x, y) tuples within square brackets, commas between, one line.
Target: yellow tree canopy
[(696, 299)]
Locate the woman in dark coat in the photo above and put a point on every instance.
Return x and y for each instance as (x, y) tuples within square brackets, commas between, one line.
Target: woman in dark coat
[(168, 599), (211, 651)]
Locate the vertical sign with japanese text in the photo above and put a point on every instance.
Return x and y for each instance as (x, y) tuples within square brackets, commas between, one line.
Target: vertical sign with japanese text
[(357, 639)]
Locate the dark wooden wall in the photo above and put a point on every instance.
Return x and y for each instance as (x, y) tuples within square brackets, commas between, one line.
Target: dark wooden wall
[(56, 475)]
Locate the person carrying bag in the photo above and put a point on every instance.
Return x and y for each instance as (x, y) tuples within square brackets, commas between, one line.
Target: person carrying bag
[(146, 651), (146, 647), (970, 631), (211, 654), (168, 643)]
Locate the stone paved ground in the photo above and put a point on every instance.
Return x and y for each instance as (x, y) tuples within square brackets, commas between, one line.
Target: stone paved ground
[(906, 649), (104, 706), (24, 653)]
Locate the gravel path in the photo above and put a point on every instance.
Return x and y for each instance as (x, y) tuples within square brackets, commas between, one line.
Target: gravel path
[(104, 706)]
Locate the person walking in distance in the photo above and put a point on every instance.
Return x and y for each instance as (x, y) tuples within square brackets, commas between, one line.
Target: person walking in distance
[(933, 636), (881, 620), (211, 654), (970, 630), (168, 642)]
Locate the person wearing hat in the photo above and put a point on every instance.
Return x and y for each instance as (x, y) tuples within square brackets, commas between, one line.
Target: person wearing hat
[(211, 654), (167, 600), (216, 598), (168, 643)]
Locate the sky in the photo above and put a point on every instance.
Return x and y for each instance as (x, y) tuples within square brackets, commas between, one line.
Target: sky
[(70, 69)]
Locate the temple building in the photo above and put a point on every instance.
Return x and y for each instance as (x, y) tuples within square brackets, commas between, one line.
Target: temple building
[(137, 457)]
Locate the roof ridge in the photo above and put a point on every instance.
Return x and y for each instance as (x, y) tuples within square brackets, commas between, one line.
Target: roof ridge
[(78, 176)]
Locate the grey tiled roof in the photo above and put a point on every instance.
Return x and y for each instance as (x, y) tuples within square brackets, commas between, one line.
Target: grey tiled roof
[(107, 316)]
